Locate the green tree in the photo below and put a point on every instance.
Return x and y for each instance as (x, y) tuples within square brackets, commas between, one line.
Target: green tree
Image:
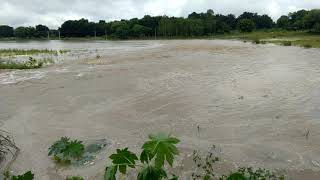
[(140, 31), (41, 31), (6, 31), (311, 18), (25, 32), (316, 28), (246, 25), (283, 22)]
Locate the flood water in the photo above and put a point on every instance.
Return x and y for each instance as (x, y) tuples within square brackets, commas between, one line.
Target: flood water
[(259, 104)]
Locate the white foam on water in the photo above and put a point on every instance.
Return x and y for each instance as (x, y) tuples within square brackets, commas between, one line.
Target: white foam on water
[(14, 77)]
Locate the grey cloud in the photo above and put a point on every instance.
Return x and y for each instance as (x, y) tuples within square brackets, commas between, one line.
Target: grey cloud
[(54, 12)]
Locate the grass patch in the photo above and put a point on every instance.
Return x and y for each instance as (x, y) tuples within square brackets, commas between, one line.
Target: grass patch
[(32, 63), (19, 52), (307, 46), (282, 37)]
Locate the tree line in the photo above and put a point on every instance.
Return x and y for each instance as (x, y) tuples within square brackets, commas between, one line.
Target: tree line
[(196, 24)]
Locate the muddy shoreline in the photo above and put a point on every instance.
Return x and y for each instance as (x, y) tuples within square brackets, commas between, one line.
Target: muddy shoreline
[(255, 102)]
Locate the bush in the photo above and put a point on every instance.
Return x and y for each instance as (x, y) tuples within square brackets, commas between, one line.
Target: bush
[(286, 43), (256, 41), (307, 46)]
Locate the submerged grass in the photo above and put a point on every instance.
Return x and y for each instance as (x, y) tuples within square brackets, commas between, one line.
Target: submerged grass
[(281, 37), (32, 63), (18, 52)]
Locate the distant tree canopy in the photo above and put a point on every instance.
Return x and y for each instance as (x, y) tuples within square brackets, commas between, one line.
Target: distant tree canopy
[(25, 32), (196, 24), (6, 31), (246, 25)]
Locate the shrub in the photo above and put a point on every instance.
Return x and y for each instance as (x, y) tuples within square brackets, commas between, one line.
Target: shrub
[(307, 46), (256, 41), (286, 43), (250, 173), (65, 150)]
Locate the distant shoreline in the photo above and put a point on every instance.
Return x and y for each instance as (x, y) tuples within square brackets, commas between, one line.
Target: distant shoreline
[(276, 36)]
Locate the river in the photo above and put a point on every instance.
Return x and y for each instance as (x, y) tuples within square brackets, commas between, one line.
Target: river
[(259, 104)]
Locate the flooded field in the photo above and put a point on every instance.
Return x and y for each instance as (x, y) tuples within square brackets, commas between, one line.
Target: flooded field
[(259, 104)]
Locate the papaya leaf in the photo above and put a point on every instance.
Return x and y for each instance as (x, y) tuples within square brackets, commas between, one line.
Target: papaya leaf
[(144, 157), (27, 176), (236, 176), (162, 147), (74, 149), (124, 158), (151, 172), (59, 146), (110, 173), (174, 178)]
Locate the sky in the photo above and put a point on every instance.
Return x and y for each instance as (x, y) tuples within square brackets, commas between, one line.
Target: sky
[(54, 12)]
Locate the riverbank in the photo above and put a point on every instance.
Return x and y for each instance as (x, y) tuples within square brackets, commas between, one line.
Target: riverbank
[(280, 37), (276, 36)]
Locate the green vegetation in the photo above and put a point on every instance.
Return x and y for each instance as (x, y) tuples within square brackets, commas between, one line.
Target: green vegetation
[(64, 150), (307, 46), (18, 52), (75, 178), (246, 25), (162, 148), (251, 174), (287, 43), (195, 25), (32, 63), (26, 176), (159, 149), (277, 36)]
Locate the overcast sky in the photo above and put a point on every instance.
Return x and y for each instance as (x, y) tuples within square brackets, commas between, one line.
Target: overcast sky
[(54, 12)]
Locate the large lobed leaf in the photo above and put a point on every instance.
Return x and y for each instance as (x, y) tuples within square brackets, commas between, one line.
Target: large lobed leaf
[(65, 150), (151, 172), (27, 176), (59, 146), (110, 173), (124, 158), (74, 149), (162, 147)]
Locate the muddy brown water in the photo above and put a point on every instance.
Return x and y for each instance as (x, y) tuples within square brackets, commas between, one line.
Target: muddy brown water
[(258, 103)]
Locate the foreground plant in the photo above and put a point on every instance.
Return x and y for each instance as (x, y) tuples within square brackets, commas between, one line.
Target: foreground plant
[(159, 149), (66, 150), (26, 176), (75, 178), (252, 174), (205, 170)]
